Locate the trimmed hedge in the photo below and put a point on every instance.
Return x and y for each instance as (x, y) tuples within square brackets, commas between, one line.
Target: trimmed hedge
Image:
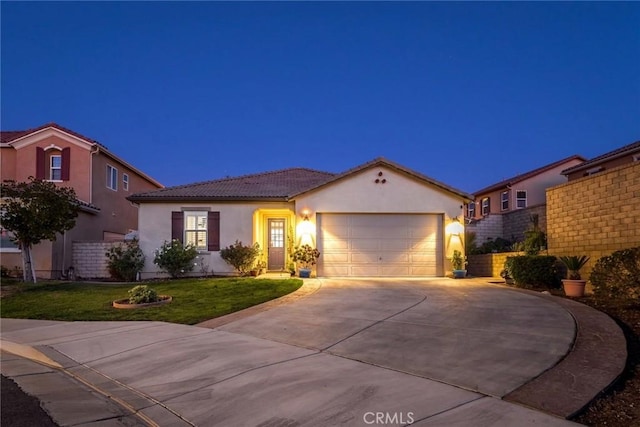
[(531, 271), (618, 275)]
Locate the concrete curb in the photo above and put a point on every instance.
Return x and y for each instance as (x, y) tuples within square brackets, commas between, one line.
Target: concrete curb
[(595, 362)]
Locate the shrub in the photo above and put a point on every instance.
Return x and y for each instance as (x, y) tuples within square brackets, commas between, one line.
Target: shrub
[(306, 256), (492, 246), (125, 261), (175, 258), (457, 261), (617, 275), (240, 257), (534, 239), (5, 271), (142, 294), (533, 271)]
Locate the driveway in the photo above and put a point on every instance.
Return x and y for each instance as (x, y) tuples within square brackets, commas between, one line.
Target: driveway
[(355, 352)]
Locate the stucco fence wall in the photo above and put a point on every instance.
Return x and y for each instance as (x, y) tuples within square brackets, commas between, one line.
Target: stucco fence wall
[(595, 215), (89, 259), (488, 265)]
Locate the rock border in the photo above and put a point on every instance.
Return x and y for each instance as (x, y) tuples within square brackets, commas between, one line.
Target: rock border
[(124, 303)]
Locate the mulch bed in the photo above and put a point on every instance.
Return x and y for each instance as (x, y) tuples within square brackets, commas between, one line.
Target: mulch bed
[(620, 405)]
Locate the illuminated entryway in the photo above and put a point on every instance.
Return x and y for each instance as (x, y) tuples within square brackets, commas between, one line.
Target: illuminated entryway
[(378, 245), (276, 238)]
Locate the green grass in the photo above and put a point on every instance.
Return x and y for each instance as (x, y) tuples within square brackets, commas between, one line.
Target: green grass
[(194, 300)]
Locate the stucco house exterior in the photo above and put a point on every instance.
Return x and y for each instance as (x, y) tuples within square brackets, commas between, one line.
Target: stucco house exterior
[(377, 219), (503, 209), (101, 180), (621, 156)]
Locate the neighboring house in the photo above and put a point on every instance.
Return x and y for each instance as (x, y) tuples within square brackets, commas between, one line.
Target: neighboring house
[(621, 156), (378, 219), (596, 212), (503, 209), (101, 180)]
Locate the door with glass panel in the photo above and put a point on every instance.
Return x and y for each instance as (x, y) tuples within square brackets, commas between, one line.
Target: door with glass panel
[(276, 244)]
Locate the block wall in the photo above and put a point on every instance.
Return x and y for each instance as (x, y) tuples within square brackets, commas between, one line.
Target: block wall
[(515, 223), (489, 226), (595, 215), (488, 265), (89, 259)]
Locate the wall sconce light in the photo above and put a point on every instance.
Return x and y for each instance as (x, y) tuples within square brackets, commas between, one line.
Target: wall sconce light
[(455, 228), (305, 214)]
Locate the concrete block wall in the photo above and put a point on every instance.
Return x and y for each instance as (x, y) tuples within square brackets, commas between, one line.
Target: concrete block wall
[(595, 215), (89, 259), (488, 227), (515, 223), (488, 265)]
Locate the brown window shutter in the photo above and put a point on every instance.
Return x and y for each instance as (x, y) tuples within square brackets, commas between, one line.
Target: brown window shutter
[(40, 168), (177, 226), (213, 231), (66, 163)]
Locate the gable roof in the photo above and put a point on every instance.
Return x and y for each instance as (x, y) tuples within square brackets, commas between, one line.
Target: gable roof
[(618, 152), (275, 186), (381, 161), (279, 185), (518, 178)]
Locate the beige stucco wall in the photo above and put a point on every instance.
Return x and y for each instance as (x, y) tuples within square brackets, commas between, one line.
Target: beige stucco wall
[(236, 223), (595, 215)]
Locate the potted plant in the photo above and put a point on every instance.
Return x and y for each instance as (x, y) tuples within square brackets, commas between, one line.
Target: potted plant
[(307, 257), (292, 269), (458, 264), (574, 285)]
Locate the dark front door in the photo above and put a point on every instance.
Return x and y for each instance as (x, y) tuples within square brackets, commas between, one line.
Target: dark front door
[(276, 245)]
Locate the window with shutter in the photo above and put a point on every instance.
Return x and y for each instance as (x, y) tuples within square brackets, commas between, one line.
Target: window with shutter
[(40, 163)]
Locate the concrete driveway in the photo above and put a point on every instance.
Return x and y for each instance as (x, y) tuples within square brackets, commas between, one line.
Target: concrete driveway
[(354, 352)]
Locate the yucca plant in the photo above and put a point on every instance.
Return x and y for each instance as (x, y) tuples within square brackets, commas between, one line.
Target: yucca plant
[(574, 264)]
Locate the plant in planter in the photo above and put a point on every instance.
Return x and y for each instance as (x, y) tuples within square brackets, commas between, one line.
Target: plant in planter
[(307, 257), (458, 262), (574, 285)]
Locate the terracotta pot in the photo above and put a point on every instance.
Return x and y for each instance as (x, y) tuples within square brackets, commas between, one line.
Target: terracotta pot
[(574, 288)]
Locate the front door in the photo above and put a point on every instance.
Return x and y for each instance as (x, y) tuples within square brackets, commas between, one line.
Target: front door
[(276, 245)]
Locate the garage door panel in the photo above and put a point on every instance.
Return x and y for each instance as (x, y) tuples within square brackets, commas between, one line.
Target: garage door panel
[(379, 244)]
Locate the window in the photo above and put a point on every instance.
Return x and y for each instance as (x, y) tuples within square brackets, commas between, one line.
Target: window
[(485, 206), (112, 178), (205, 231), (593, 171), (125, 182), (195, 229), (521, 199), (55, 167), (504, 201), (6, 244), (471, 210)]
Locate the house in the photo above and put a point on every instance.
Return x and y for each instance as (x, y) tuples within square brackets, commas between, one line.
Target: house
[(101, 180), (503, 209), (595, 212), (377, 219), (621, 156)]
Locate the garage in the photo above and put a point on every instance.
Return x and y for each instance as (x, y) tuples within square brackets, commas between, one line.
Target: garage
[(379, 245)]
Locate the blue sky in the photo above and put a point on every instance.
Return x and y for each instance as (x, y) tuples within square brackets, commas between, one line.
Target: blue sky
[(467, 93)]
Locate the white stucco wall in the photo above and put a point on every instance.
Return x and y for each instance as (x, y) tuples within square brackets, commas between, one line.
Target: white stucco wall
[(236, 222), (400, 194)]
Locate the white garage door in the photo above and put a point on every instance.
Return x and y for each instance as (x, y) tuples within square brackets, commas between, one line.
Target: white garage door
[(379, 245)]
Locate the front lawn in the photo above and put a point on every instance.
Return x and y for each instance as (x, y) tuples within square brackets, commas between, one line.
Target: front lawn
[(194, 300)]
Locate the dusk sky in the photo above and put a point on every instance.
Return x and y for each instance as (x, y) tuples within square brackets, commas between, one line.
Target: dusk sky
[(466, 93)]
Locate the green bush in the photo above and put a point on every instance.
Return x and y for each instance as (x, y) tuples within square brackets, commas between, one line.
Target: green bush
[(530, 271), (618, 275), (534, 239), (306, 256), (125, 261), (142, 294), (241, 257), (492, 246), (175, 258)]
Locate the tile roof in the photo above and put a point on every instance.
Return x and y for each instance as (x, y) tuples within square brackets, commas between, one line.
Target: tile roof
[(11, 135), (274, 185), (281, 185), (619, 152), (527, 175)]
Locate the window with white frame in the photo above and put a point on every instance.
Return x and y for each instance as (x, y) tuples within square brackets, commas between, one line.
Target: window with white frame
[(195, 229), (485, 206), (504, 201), (55, 167), (125, 182), (521, 199), (112, 178), (471, 210), (6, 241)]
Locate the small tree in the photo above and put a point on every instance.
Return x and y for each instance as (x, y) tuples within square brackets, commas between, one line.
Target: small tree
[(306, 256), (176, 258), (35, 211), (240, 257), (125, 261)]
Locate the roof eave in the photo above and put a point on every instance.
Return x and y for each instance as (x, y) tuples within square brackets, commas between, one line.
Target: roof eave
[(177, 199), (588, 165)]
